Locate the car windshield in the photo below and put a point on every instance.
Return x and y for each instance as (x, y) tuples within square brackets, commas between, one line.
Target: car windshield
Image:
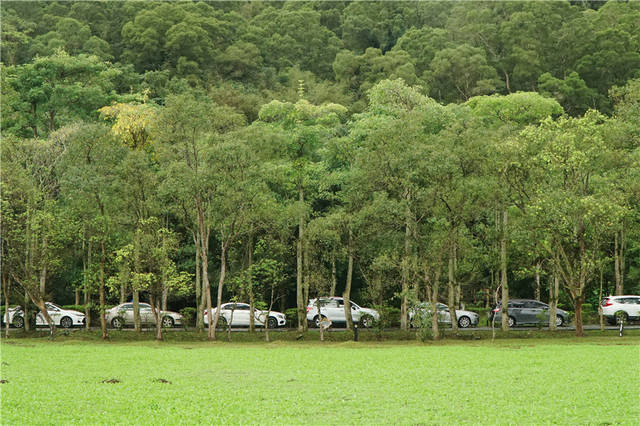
[(51, 306)]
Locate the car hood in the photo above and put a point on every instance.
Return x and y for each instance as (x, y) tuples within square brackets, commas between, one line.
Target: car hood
[(460, 313), (371, 312)]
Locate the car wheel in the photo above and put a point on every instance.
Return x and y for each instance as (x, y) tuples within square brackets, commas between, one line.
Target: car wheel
[(222, 322), (272, 323), (512, 321), (18, 322), (464, 322), (117, 322), (167, 322), (621, 316), (317, 319), (366, 321), (66, 322), (559, 320)]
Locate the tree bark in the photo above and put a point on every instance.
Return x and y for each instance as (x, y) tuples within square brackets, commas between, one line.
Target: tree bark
[(306, 281), (503, 274), (451, 291), (223, 270), (5, 291), (537, 292), (334, 275), (252, 317), (204, 243), (347, 290), (554, 288), (136, 310), (199, 307), (299, 295), (619, 246), (103, 320), (404, 307), (87, 285)]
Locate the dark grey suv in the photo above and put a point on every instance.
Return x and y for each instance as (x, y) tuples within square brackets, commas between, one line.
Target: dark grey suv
[(526, 311)]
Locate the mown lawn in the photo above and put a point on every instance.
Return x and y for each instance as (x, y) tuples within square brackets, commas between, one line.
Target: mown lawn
[(537, 381)]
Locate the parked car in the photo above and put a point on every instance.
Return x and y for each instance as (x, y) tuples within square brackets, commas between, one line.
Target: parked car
[(526, 311), (465, 318), (626, 307), (122, 315), (61, 317), (332, 308), (241, 316)]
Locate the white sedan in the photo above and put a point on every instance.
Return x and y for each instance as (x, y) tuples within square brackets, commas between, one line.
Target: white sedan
[(61, 317), (122, 315), (332, 308), (465, 318), (241, 316)]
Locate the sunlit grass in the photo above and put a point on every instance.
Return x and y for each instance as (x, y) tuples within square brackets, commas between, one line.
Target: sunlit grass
[(593, 380)]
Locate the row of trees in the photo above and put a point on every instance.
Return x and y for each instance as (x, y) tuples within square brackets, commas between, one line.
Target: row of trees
[(410, 199)]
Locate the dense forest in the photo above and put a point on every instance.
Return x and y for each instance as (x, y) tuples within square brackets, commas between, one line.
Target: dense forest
[(191, 153)]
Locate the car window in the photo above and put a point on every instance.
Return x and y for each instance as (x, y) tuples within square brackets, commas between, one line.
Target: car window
[(127, 306), (516, 305), (145, 306), (330, 303), (637, 300), (242, 307), (353, 305)]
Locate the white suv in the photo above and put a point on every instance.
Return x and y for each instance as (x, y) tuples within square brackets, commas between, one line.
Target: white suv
[(333, 309), (628, 307)]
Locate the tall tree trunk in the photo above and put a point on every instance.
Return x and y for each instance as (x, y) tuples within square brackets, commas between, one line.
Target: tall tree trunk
[(600, 313), (6, 286), (503, 273), (136, 311), (43, 269), (404, 307), (538, 268), (334, 275), (299, 296), (223, 270), (306, 280), (157, 313), (619, 246), (77, 296), (87, 284), (579, 327), (347, 289), (165, 294), (123, 293), (554, 288), (451, 290), (432, 293), (204, 253), (199, 307), (103, 320), (252, 316)]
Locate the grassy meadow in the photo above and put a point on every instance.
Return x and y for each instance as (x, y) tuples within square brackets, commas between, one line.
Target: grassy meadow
[(535, 381)]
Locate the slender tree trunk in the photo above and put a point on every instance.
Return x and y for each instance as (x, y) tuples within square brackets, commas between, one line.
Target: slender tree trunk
[(451, 291), (123, 293), (600, 313), (5, 291), (306, 281), (334, 275), (136, 311), (619, 246), (204, 253), (103, 320), (404, 307), (223, 270), (347, 289), (554, 288), (43, 269), (199, 307), (503, 273), (87, 285), (155, 306), (77, 296), (579, 327), (433, 299), (165, 294), (299, 296), (538, 268), (252, 316)]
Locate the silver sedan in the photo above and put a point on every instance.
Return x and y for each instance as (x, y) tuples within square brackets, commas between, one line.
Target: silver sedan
[(122, 315)]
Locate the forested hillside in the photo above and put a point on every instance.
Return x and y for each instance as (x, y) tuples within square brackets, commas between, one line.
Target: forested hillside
[(192, 153)]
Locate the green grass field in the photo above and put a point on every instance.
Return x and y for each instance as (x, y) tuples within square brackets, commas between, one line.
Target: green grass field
[(595, 380)]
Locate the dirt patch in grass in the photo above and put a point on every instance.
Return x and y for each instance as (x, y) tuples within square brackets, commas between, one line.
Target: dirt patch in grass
[(111, 381), (162, 381)]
